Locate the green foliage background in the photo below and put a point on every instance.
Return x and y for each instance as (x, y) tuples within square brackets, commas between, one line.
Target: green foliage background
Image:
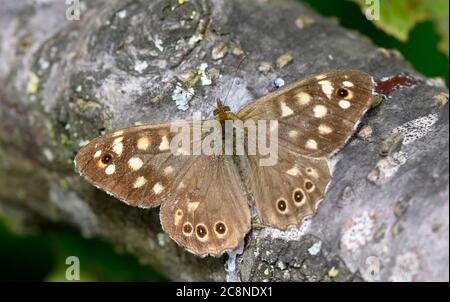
[(417, 28), (398, 18), (39, 256)]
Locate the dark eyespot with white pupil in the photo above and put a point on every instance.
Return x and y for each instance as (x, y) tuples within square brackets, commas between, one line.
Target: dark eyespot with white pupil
[(201, 231), (298, 196), (220, 228), (281, 205), (342, 92), (107, 158)]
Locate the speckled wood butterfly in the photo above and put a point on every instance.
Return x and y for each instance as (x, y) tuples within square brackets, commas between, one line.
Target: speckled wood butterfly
[(205, 199)]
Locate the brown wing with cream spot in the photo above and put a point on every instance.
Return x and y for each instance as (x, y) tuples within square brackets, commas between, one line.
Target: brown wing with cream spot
[(289, 191), (318, 114), (135, 164), (315, 118), (208, 212)]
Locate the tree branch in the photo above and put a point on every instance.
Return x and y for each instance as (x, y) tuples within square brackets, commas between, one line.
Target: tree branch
[(65, 82)]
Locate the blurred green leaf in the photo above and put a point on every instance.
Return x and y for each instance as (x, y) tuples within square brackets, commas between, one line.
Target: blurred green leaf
[(41, 256), (399, 17), (97, 261)]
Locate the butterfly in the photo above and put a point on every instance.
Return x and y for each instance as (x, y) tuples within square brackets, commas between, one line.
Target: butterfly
[(206, 199)]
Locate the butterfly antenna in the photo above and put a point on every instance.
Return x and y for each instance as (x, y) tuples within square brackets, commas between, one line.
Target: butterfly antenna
[(234, 77)]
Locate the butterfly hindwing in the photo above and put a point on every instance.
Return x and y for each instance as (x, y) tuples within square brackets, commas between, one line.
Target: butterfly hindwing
[(208, 213), (297, 185)]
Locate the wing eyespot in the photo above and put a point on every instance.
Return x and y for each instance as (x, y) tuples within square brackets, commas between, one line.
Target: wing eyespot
[(220, 228), (107, 158), (282, 206), (178, 216), (345, 93), (201, 231), (298, 196), (342, 92), (105, 161), (309, 186), (187, 229)]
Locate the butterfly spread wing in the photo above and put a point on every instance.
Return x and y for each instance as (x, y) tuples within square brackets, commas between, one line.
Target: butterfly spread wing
[(204, 207), (315, 117)]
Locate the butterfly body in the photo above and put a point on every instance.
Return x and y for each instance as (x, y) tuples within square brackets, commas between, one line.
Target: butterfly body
[(222, 113), (206, 198)]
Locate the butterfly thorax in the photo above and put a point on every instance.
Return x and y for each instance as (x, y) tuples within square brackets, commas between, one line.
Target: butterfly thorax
[(223, 113)]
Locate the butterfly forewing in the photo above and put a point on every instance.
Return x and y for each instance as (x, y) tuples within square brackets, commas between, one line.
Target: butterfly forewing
[(318, 114), (134, 164)]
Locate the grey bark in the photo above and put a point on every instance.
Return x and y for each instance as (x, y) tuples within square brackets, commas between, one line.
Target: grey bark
[(385, 217)]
